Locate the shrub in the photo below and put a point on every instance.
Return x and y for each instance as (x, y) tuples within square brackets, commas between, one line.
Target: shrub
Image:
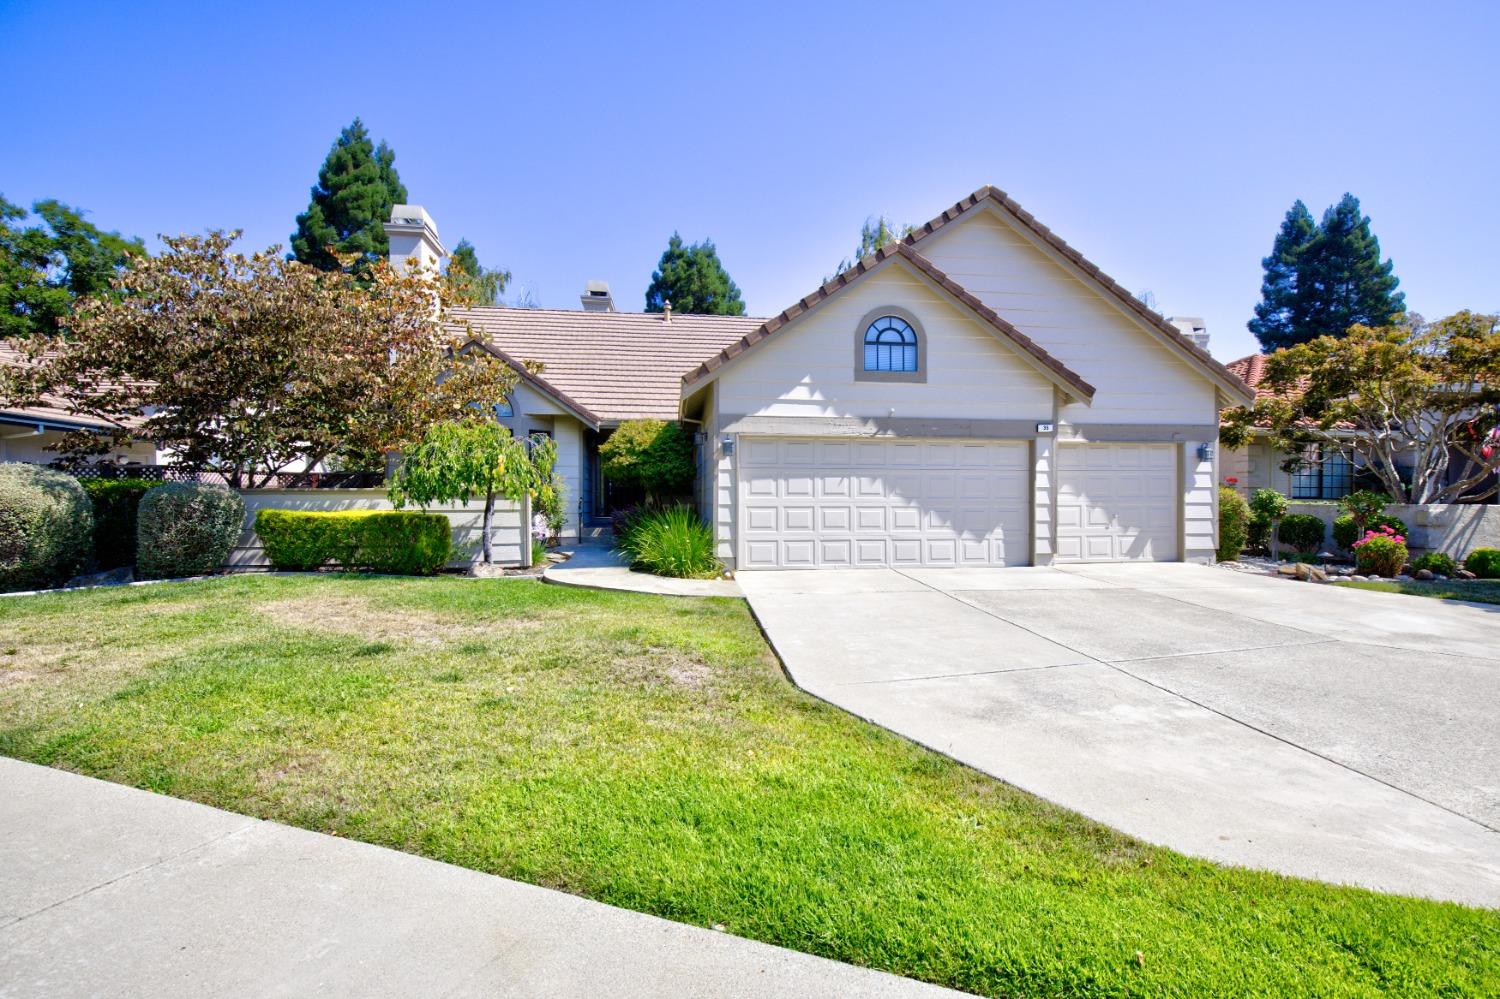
[(1234, 524), (1258, 531), (1303, 531), (671, 542), (1381, 552), (394, 541), (116, 502), (654, 455), (186, 529), (1346, 532), (1437, 562), (1364, 507), (1484, 563), (1267, 507), (46, 527)]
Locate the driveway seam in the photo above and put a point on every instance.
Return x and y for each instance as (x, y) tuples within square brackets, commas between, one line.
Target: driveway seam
[(1222, 714), (952, 676), (131, 873)]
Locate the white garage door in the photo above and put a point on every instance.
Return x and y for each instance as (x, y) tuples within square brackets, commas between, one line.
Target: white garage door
[(817, 503), (1116, 502)]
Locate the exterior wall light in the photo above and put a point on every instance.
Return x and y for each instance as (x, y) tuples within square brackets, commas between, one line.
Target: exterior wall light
[(1205, 452)]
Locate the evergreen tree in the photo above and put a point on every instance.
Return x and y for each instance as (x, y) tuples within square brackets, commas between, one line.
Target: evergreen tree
[(694, 281), (472, 283), (1341, 279), (1322, 279), (357, 186), (1276, 314), (875, 233)]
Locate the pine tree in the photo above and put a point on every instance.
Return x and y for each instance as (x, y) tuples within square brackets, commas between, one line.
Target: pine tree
[(694, 281), (1321, 279), (357, 186), (875, 233), (1341, 279), (1275, 315), (472, 283)]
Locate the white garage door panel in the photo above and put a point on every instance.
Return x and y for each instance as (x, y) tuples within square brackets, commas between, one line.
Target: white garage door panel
[(817, 503), (1117, 502)]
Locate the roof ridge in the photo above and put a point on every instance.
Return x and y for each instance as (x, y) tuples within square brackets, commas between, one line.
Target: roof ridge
[(1156, 320)]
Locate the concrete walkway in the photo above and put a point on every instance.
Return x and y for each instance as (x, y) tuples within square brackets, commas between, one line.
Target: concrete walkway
[(106, 890), (600, 567), (1329, 733)]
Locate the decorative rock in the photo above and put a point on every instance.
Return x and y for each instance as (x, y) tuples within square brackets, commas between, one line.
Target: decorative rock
[(1319, 575), (1425, 575), (109, 577), (1403, 578), (1289, 568), (1465, 574)]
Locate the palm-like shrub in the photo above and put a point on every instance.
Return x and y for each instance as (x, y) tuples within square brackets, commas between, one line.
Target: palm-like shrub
[(671, 542), (46, 527), (1234, 524), (186, 529)]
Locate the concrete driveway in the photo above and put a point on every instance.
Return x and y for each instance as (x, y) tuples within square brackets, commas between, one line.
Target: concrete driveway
[(1327, 733)]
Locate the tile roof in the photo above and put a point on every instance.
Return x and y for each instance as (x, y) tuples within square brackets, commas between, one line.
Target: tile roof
[(616, 365), (52, 409), (1051, 366), (1252, 371), (1153, 319)]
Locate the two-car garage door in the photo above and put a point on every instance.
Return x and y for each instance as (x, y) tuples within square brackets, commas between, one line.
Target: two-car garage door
[(831, 503), (811, 503)]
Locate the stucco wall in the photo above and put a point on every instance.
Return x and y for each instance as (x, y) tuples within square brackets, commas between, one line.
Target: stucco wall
[(507, 540)]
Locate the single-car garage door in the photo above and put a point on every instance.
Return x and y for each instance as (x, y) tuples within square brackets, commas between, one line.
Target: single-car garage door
[(818, 503), (1117, 502)]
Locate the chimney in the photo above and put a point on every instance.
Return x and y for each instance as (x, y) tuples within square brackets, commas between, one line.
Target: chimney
[(1192, 327), (414, 239), (596, 297), (666, 310)]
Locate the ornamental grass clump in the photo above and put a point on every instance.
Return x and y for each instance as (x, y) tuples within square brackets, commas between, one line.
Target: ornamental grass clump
[(671, 542), (1381, 552)]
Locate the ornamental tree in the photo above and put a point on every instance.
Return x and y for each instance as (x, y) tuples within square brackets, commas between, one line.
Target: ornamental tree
[(654, 455), (459, 459), (244, 365), (1418, 405)]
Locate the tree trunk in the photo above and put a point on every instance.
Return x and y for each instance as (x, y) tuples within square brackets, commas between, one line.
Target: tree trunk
[(489, 519)]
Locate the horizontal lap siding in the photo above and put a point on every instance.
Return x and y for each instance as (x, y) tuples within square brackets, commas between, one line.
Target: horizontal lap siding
[(1136, 378), (808, 369)]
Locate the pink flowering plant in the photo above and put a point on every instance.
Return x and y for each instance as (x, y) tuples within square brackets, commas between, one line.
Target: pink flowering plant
[(1381, 552)]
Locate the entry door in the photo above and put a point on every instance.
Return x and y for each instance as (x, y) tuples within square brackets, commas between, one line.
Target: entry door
[(1117, 502), (826, 503)]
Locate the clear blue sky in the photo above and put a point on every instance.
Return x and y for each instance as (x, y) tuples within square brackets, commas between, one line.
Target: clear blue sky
[(568, 141)]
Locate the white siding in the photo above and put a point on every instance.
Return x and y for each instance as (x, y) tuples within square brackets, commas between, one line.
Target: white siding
[(807, 370), (568, 433), (1137, 379), (19, 443)]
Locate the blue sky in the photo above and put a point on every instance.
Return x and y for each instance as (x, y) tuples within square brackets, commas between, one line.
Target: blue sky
[(568, 141)]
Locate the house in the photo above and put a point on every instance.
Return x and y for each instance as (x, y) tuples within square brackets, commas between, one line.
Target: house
[(977, 394), (33, 433), (1323, 474)]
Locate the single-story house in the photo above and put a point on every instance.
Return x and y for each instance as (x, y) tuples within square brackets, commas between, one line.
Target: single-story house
[(976, 394), (32, 433)]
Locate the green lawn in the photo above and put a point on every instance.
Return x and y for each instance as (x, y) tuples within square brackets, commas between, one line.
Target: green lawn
[(1484, 591), (648, 752)]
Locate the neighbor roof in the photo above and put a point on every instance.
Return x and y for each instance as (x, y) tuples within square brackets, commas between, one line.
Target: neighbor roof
[(1252, 371), (616, 365), (1070, 381), (1152, 319), (51, 410)]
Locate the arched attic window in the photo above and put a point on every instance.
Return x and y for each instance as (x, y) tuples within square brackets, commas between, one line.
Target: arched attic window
[(890, 345)]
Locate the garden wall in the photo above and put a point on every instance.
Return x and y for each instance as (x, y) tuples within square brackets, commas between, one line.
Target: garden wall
[(511, 541), (1453, 528)]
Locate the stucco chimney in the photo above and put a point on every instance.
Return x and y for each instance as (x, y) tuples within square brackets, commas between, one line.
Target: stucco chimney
[(414, 239), (596, 297), (1192, 327)]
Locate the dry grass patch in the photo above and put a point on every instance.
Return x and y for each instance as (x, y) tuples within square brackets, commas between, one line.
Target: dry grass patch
[(357, 617)]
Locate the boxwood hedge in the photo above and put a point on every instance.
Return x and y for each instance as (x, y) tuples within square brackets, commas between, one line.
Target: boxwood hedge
[(46, 527), (394, 541)]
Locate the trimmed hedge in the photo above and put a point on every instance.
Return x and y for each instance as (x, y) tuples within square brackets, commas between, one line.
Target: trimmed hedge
[(116, 502), (395, 541), (1440, 563), (1484, 563), (186, 529), (1345, 533), (1234, 524), (46, 527), (1302, 531)]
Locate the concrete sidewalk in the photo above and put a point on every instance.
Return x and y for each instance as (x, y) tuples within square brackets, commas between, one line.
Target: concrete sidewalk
[(600, 567), (106, 890)]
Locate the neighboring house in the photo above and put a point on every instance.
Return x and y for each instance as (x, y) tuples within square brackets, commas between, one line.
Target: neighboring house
[(32, 433), (1324, 474), (977, 394)]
